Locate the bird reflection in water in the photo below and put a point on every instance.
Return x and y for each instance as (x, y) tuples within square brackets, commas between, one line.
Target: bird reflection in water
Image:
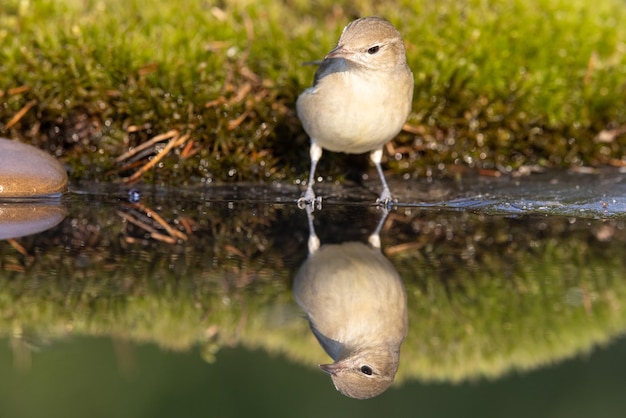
[(355, 303)]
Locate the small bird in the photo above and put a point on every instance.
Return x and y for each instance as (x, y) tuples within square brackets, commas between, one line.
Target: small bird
[(361, 96), (355, 303)]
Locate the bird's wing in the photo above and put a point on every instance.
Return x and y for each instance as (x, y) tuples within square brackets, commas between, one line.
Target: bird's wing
[(329, 345), (329, 66)]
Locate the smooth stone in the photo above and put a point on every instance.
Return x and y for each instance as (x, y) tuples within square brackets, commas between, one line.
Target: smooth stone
[(26, 171), (22, 219)]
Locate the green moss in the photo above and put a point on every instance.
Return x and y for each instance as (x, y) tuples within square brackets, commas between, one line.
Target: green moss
[(499, 84)]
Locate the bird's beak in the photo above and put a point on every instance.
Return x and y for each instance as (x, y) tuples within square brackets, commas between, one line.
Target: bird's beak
[(333, 368), (338, 52)]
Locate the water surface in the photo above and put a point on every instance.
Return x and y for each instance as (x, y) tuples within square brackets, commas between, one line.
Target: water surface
[(178, 302)]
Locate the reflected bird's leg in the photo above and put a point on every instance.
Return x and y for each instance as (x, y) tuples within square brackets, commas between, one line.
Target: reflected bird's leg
[(315, 152), (385, 196), (314, 241), (374, 239)]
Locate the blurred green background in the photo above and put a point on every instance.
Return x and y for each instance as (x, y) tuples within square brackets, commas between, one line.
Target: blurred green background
[(98, 377)]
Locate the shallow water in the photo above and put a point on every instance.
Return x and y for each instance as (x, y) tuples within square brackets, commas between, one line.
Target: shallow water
[(178, 302)]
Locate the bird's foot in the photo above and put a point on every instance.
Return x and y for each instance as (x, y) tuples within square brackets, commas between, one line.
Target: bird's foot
[(309, 199), (385, 200)]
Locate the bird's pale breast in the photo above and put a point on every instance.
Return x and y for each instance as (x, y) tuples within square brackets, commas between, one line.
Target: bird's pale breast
[(352, 294), (356, 111)]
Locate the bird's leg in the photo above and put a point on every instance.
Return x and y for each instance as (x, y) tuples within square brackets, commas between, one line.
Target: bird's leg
[(308, 197), (385, 196), (314, 241), (374, 239)]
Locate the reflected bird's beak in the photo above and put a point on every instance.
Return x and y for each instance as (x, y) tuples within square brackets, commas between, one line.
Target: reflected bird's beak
[(332, 369)]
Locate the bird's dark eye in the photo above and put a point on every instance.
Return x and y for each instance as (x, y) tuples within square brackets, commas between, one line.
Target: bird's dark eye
[(366, 370), (373, 49)]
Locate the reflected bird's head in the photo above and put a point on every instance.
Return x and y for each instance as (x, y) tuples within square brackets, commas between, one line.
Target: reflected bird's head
[(364, 374)]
